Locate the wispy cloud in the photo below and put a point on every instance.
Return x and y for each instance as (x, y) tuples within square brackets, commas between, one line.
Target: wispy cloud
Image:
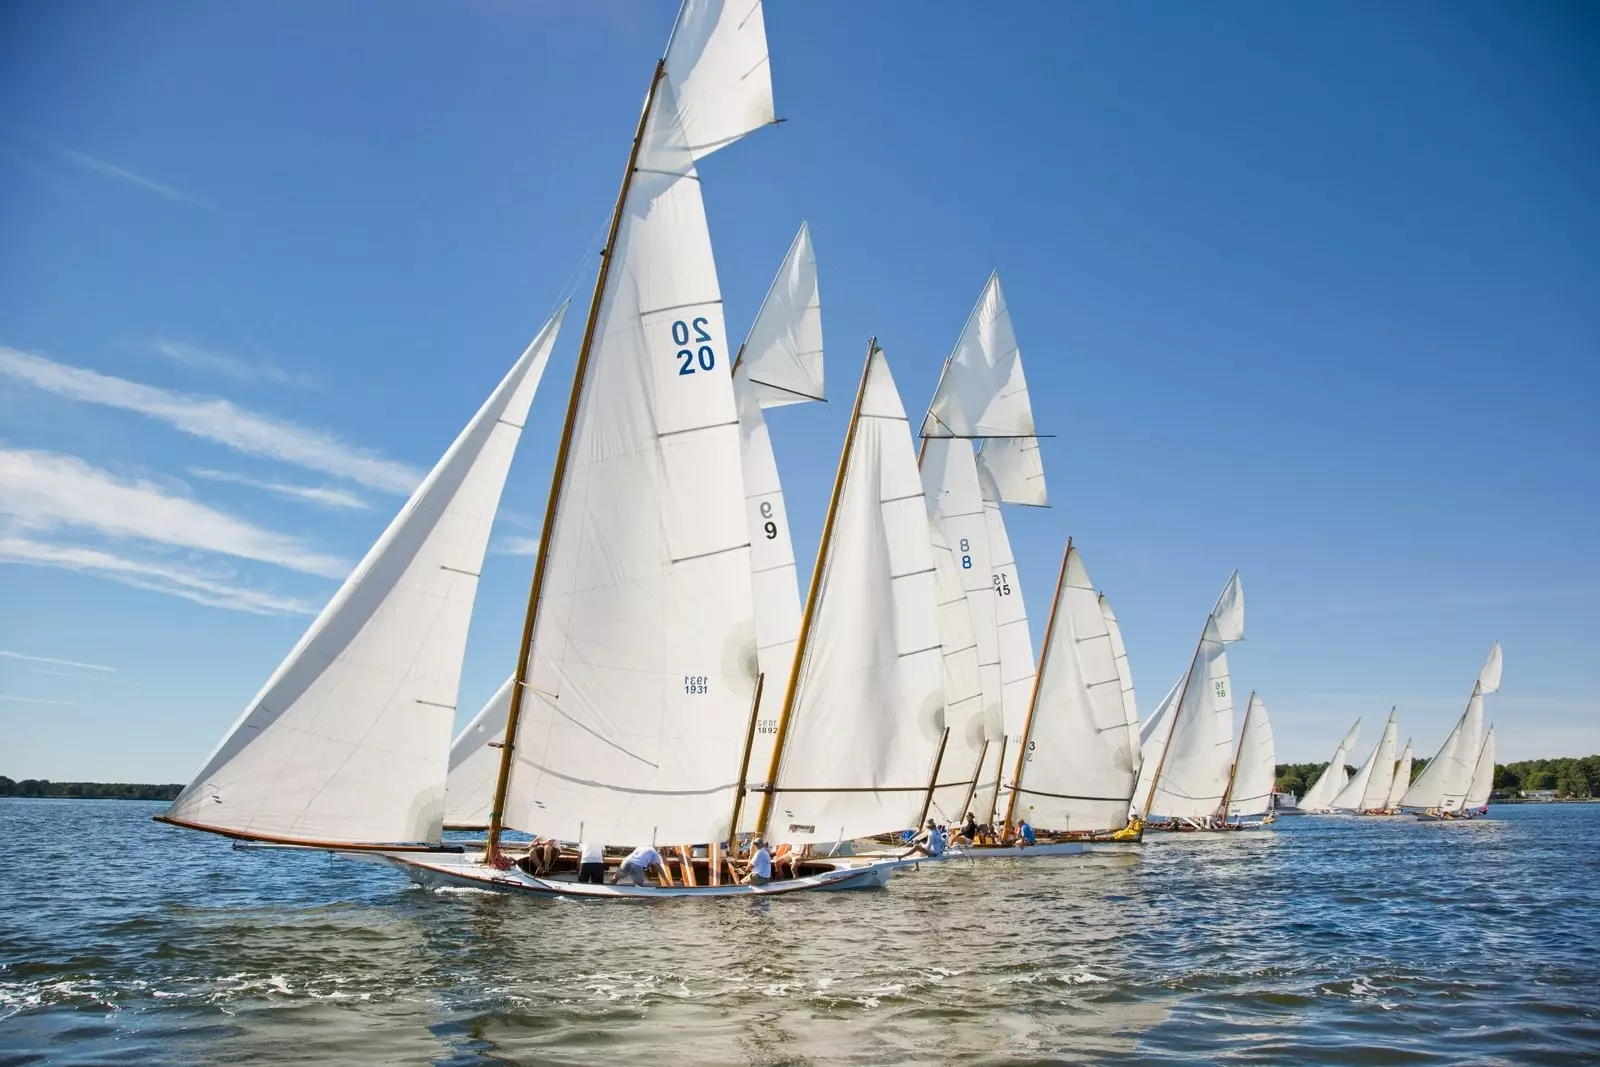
[(38, 700), (215, 420), (205, 359), (49, 491), (168, 577), (8, 654), (111, 170), (327, 496), (516, 546)]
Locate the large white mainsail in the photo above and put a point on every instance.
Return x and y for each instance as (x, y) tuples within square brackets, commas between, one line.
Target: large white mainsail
[(1192, 774), (1255, 768), (1376, 795), (1333, 776), (1444, 782), (475, 763), (1365, 788), (1402, 779), (1482, 775), (865, 708), (628, 722), (1079, 745), (347, 741)]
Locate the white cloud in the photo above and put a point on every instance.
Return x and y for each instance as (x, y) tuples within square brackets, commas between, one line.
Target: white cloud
[(327, 496), (167, 577), (8, 654), (516, 546), (198, 358), (215, 420), (38, 700), (100, 166), (49, 491)]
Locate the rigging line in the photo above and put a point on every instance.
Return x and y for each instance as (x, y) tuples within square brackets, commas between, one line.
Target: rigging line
[(570, 288)]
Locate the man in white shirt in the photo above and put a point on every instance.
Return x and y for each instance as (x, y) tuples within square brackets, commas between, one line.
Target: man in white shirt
[(591, 863), (760, 872), (637, 864)]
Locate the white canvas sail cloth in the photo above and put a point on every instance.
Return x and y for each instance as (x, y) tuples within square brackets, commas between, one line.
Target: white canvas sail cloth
[(1402, 779), (780, 363), (1130, 703), (347, 741), (963, 689), (1255, 769), (1334, 775), (1444, 782), (1153, 736), (1365, 785), (1079, 752), (642, 661), (1193, 774), (475, 764), (1482, 775), (867, 709)]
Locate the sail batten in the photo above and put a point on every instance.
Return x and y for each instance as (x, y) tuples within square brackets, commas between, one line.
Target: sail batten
[(347, 742)]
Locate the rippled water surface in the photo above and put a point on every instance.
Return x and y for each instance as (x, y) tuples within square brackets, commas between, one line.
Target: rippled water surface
[(1324, 941)]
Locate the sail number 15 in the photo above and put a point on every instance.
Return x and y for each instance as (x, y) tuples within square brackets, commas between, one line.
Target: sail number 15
[(687, 335)]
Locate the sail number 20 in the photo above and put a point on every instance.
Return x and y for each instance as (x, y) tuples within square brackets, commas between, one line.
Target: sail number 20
[(686, 335)]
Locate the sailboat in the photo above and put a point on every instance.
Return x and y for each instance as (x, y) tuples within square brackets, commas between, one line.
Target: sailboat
[(637, 669), (1402, 782), (1442, 790), (1477, 798), (1190, 748), (1368, 789), (979, 450), (1255, 769), (1318, 800)]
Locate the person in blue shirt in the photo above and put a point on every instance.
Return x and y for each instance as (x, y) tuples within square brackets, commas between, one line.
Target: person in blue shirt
[(1024, 831)]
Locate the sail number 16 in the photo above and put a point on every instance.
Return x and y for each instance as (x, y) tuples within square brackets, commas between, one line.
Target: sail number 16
[(704, 357)]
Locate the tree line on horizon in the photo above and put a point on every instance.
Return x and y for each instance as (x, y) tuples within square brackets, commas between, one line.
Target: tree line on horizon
[(43, 787), (1571, 776)]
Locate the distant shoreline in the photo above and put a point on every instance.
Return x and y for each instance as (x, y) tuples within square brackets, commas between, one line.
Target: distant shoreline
[(43, 789)]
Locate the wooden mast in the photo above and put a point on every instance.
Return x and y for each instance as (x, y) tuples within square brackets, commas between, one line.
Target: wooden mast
[(1177, 708), (983, 754), (744, 765), (812, 595), (1238, 753), (999, 777), (933, 780), (1033, 701), (558, 478)]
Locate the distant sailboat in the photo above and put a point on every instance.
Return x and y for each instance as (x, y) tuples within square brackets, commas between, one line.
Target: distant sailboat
[(1319, 798), (1255, 767), (1368, 788), (1402, 781), (1442, 790)]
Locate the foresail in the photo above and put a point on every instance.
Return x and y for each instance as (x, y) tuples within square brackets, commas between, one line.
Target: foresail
[(1376, 795), (717, 69), (475, 764), (1482, 774), (1011, 627), (783, 353), (866, 715), (347, 742), (1402, 779), (982, 392), (1130, 705), (1079, 759), (963, 689), (1334, 775), (774, 584), (642, 661), (1432, 785), (1257, 770), (1348, 798), (1153, 745)]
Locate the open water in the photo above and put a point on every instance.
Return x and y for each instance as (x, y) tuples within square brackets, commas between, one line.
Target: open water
[(1323, 941)]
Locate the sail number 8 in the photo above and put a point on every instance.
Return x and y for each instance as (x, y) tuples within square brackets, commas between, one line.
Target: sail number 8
[(704, 357), (966, 560)]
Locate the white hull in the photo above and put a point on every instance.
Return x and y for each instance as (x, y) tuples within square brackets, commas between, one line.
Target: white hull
[(990, 852), (460, 871)]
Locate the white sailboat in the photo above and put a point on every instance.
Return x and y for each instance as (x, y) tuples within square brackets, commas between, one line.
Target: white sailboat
[(1368, 788), (1441, 790), (1255, 767), (346, 745), (1190, 767), (1318, 800), (1402, 781), (1482, 784)]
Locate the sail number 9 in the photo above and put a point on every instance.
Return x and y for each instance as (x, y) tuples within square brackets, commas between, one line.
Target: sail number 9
[(769, 526), (703, 357), (696, 684)]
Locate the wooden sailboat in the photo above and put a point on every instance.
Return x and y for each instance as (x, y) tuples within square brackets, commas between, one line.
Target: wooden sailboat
[(1250, 782), (1368, 789), (1189, 755), (1449, 786), (1318, 800)]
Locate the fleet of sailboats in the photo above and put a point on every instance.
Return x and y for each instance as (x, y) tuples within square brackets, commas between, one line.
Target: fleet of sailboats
[(672, 690)]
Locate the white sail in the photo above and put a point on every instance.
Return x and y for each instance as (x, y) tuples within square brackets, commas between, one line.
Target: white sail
[(642, 661), (1153, 736), (1193, 774), (475, 764), (1079, 756), (1376, 795), (1333, 776), (1011, 625), (347, 741), (1482, 775), (963, 688), (1444, 782), (866, 715), (1012, 471), (982, 392), (1124, 672), (1353, 795), (1402, 779), (1256, 768), (783, 352)]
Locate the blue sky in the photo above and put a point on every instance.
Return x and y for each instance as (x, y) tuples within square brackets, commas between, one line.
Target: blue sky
[(1308, 290)]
